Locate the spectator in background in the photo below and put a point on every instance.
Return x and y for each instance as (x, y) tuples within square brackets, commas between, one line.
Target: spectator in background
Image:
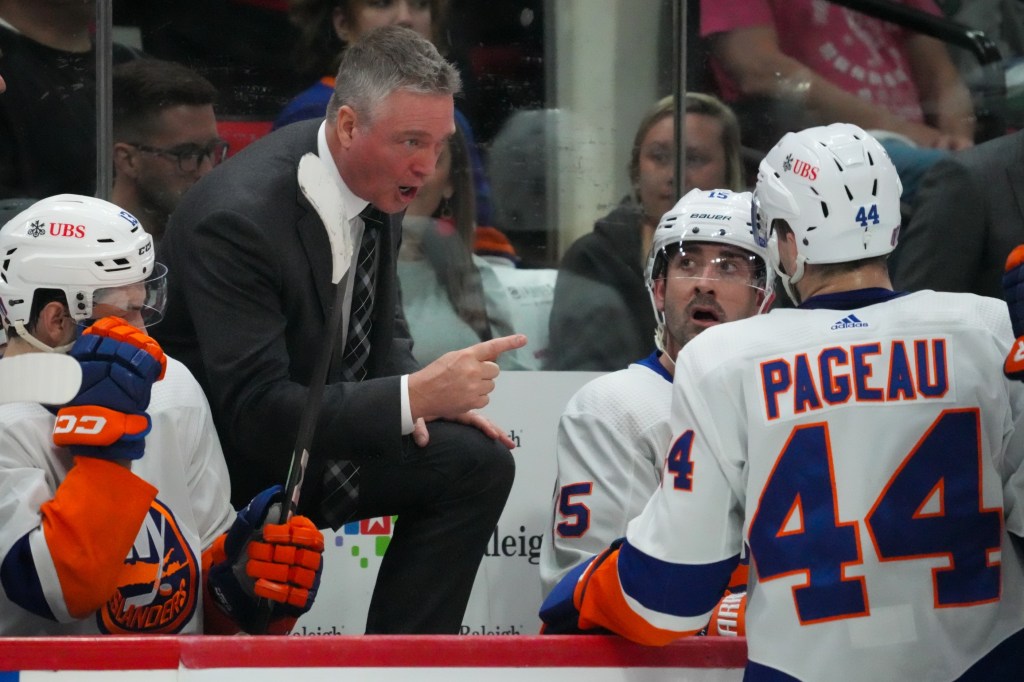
[(1002, 21), (601, 318), (453, 298), (165, 138), (968, 217), (883, 543), (326, 27), (614, 433), (241, 46), (833, 64), (48, 114)]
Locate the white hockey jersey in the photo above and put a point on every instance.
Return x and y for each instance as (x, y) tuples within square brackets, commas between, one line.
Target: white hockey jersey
[(870, 459), (160, 588), (610, 448)]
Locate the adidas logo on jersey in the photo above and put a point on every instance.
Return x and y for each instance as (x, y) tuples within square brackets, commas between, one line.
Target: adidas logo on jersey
[(849, 322)]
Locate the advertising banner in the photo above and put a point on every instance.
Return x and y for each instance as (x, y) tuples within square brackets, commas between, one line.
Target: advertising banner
[(506, 594)]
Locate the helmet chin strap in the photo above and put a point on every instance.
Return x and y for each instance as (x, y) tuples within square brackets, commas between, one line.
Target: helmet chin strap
[(659, 343), (788, 281), (31, 340)]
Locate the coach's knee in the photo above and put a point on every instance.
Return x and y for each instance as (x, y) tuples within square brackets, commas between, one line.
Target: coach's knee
[(489, 466)]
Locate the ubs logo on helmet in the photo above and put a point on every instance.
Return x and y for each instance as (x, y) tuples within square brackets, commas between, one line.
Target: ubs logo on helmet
[(67, 230), (801, 168), (36, 229), (159, 584)]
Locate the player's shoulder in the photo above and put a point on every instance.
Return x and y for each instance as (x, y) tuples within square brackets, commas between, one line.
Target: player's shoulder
[(618, 388), (752, 336), (14, 414), (178, 387), (25, 434), (953, 310)]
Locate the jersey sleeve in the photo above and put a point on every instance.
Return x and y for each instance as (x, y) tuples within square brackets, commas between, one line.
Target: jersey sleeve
[(605, 476), (1009, 461), (62, 545), (666, 578)]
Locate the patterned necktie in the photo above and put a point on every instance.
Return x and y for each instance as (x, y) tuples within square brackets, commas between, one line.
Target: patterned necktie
[(357, 348), (341, 477)]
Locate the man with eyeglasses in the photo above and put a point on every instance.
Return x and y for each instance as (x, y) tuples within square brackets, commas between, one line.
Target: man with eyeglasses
[(165, 138), (48, 114), (704, 269)]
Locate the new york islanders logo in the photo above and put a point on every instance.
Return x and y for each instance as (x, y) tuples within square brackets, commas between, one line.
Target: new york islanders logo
[(159, 584)]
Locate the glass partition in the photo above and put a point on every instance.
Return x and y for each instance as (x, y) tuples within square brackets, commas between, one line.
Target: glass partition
[(554, 93)]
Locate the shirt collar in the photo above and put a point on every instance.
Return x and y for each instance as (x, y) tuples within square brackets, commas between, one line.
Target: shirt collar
[(653, 363), (851, 300), (353, 204)]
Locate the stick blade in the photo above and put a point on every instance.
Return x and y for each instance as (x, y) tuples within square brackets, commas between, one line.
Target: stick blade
[(48, 378), (321, 191)]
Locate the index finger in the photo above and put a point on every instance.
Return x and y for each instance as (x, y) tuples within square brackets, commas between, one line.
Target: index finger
[(490, 350)]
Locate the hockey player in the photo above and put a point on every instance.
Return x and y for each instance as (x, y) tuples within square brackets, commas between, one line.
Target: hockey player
[(865, 447), (114, 509), (705, 268)]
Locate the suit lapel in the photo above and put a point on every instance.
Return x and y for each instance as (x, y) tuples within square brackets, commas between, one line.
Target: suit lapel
[(317, 246)]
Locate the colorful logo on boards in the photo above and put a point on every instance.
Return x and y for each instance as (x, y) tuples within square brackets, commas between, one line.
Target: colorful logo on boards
[(366, 538)]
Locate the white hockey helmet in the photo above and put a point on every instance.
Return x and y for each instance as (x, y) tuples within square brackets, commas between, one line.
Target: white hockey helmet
[(836, 188), (86, 247), (718, 216)]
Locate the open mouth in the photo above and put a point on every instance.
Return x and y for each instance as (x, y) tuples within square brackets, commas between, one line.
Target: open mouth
[(408, 193), (705, 315)]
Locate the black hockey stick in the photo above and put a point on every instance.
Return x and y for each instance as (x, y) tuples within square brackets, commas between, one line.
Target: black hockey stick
[(322, 192)]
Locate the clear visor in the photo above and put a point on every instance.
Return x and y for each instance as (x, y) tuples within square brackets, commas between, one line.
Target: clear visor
[(141, 304), (725, 265)]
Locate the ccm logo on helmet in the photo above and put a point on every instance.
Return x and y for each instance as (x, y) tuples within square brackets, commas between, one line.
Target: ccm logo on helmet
[(67, 230), (146, 248), (801, 168), (85, 425)]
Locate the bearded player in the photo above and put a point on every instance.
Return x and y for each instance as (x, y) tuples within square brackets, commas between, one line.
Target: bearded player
[(864, 447), (704, 269)]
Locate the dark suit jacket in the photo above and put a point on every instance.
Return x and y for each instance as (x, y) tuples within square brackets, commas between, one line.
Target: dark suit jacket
[(249, 295), (968, 216)]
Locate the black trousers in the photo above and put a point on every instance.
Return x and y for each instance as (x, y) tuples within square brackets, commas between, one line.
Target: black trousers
[(448, 497)]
